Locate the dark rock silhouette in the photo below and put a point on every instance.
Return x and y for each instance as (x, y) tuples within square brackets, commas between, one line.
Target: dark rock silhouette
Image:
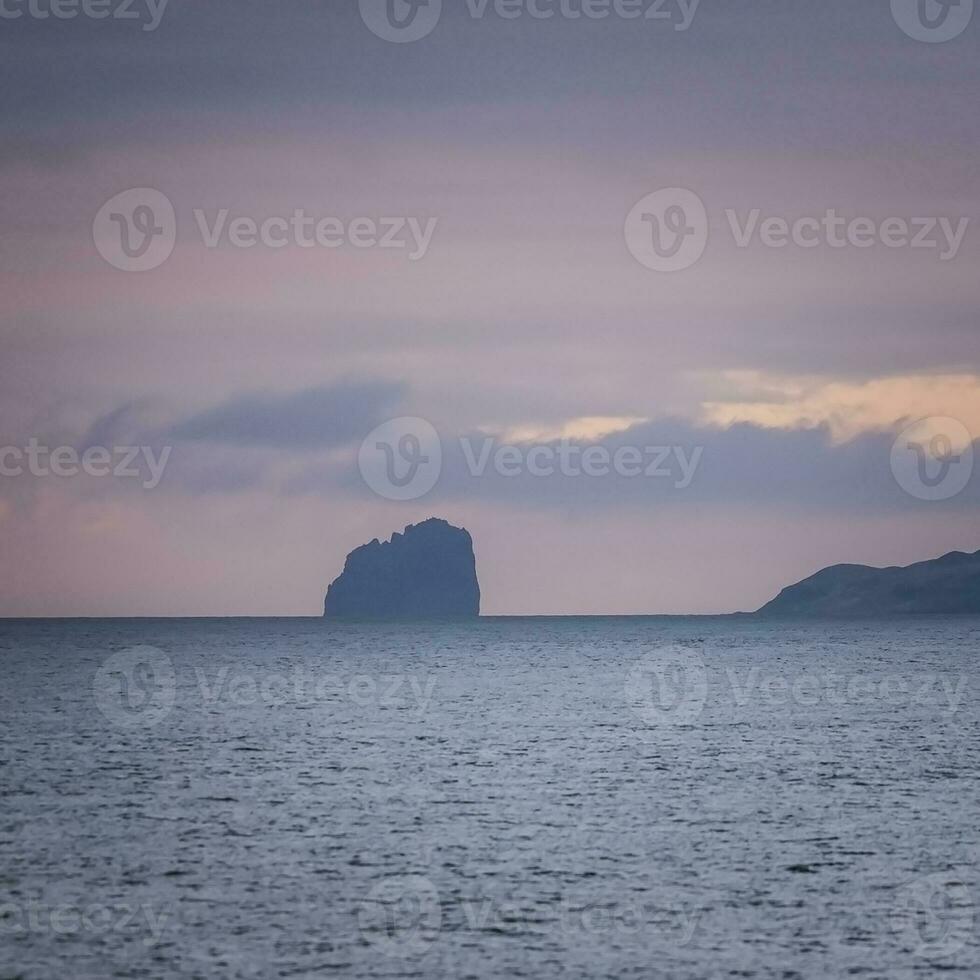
[(947, 585), (427, 572)]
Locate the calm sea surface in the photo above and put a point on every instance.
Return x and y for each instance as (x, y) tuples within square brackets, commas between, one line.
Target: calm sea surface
[(682, 798)]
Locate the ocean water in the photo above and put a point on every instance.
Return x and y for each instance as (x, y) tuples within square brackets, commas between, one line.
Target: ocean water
[(682, 798)]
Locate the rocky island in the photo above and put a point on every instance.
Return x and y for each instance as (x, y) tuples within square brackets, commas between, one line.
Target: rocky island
[(949, 585), (426, 572)]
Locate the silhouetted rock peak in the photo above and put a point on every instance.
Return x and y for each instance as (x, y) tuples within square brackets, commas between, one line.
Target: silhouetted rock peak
[(426, 572), (949, 585)]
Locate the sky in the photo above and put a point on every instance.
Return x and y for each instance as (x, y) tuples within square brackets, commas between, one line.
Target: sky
[(668, 311)]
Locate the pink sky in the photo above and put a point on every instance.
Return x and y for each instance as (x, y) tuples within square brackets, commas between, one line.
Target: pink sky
[(528, 145)]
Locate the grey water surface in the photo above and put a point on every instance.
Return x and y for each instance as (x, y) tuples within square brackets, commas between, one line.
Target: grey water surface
[(682, 798)]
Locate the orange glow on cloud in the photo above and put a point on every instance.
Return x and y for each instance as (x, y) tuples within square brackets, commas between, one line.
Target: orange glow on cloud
[(847, 408)]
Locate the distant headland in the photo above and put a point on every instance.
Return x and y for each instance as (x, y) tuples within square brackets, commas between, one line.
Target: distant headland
[(949, 585), (426, 572)]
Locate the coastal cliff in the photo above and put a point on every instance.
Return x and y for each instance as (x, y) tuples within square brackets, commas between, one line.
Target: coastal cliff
[(426, 572), (947, 585)]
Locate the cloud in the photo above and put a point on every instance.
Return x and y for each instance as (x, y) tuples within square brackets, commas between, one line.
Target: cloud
[(848, 408), (797, 465), (587, 427), (685, 465), (807, 448), (314, 418)]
